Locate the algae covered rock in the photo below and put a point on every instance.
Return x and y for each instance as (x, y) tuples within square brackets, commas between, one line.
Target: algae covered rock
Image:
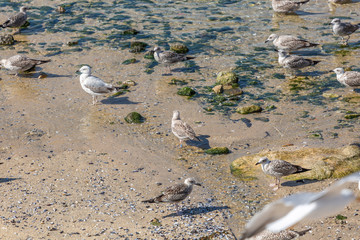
[(129, 61), (249, 109), (226, 78), (323, 162), (130, 32), (6, 39), (136, 47), (179, 48), (218, 89), (217, 150), (186, 91), (134, 117)]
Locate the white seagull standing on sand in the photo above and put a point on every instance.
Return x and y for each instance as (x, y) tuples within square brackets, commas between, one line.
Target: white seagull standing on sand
[(306, 206), (349, 78), (17, 20), (287, 6), (278, 169), (289, 43), (20, 63), (175, 193), (294, 61), (181, 129), (94, 85)]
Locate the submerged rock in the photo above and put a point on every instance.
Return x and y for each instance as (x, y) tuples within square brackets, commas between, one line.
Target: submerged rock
[(217, 150), (186, 91), (130, 32), (6, 39), (134, 117), (136, 47), (179, 48), (249, 109), (226, 78), (323, 162)]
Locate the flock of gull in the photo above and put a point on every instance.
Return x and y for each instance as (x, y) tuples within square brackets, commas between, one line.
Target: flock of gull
[(281, 214)]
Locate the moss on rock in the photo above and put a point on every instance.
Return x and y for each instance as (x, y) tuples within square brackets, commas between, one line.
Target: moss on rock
[(186, 91), (323, 162), (249, 109), (6, 39), (217, 150), (226, 78), (179, 48), (134, 117), (136, 47)]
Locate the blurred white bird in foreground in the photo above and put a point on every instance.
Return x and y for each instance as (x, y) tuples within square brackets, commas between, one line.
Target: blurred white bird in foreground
[(290, 210)]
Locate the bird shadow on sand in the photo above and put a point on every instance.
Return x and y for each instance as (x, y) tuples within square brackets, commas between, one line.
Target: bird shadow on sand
[(196, 211), (47, 75), (5, 180), (203, 143), (299, 182), (117, 100)]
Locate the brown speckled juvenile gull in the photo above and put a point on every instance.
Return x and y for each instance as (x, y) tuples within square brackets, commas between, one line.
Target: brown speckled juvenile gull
[(168, 57), (175, 193), (287, 6), (289, 43), (300, 207), (17, 20), (343, 29), (294, 61), (279, 169), (94, 85), (21, 63), (349, 78), (181, 129)]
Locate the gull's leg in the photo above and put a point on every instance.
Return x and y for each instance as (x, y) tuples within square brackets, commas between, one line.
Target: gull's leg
[(181, 141), (94, 100), (277, 184), (273, 184), (347, 40), (177, 209)]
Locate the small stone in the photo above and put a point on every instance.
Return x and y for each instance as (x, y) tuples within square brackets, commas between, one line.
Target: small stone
[(130, 32), (179, 48), (218, 89), (129, 61), (72, 43), (249, 109), (136, 47), (134, 117), (186, 91), (226, 78), (129, 83), (60, 9), (217, 150), (42, 75), (6, 39)]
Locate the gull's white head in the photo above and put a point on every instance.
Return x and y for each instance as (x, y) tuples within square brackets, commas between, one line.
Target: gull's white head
[(272, 37), (282, 53), (263, 160), (24, 9), (3, 61), (191, 181), (335, 21), (176, 115), (85, 70), (339, 71), (157, 49)]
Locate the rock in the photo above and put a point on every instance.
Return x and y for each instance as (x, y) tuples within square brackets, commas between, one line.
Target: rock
[(129, 61), (136, 47), (218, 89), (186, 91), (226, 78), (330, 95), (130, 32), (72, 43), (249, 109), (42, 75), (229, 90), (351, 116), (134, 117), (129, 83), (179, 48), (155, 222), (6, 39), (323, 162), (60, 9), (149, 55), (177, 82), (217, 150)]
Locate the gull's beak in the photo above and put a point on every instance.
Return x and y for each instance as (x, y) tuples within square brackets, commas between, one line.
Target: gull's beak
[(257, 163), (266, 40), (78, 72), (197, 184), (331, 71)]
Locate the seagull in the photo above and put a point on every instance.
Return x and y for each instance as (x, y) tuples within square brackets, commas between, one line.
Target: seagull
[(287, 6), (343, 29), (294, 61), (181, 129), (20, 63), (349, 78), (94, 85), (306, 206), (17, 20), (168, 57), (278, 169), (175, 193), (289, 43)]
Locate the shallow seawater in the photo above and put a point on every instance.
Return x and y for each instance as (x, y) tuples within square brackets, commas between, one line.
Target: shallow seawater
[(222, 35)]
